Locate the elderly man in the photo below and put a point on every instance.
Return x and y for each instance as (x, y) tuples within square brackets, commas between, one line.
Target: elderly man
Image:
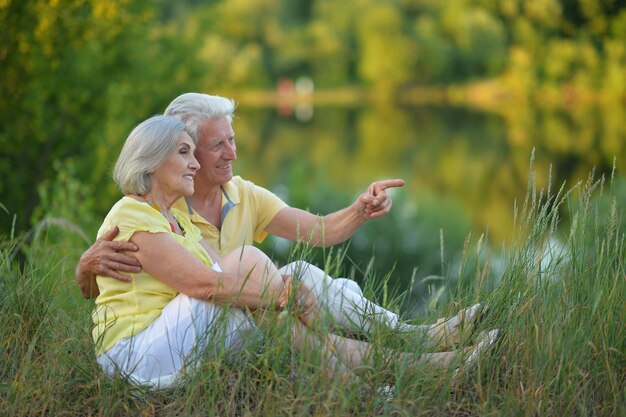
[(231, 212)]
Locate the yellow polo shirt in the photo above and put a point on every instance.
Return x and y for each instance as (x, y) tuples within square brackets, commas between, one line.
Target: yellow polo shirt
[(247, 210), (124, 309)]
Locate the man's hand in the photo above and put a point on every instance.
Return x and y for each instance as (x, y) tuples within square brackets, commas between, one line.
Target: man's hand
[(106, 257), (375, 202)]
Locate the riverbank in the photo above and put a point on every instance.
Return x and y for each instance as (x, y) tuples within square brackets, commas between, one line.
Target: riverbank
[(493, 95)]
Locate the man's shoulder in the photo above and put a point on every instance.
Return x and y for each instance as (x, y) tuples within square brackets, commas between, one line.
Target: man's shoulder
[(238, 181), (248, 193), (242, 187)]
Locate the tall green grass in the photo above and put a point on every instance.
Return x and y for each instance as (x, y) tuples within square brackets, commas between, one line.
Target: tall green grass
[(559, 299)]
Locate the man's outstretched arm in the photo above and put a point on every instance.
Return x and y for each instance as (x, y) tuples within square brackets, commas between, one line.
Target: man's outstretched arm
[(105, 257), (296, 224)]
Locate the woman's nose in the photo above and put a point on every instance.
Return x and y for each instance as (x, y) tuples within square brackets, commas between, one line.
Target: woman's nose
[(231, 151), (194, 164)]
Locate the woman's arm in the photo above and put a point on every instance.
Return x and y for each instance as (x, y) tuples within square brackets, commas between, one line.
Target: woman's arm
[(212, 252), (249, 278)]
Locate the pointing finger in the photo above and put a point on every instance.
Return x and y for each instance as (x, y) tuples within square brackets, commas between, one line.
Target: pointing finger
[(379, 186)]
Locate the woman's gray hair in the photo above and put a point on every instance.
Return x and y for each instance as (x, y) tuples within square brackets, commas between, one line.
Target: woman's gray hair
[(145, 149), (195, 108)]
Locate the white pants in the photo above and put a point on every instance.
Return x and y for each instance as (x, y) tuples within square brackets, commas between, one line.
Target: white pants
[(156, 356), (341, 300)]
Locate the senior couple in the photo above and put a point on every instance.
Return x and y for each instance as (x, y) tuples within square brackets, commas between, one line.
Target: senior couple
[(174, 271)]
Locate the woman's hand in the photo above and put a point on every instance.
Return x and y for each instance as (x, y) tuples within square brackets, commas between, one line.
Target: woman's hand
[(305, 300)]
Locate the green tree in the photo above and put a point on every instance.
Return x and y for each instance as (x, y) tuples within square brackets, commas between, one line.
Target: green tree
[(58, 59), (479, 40), (386, 53), (332, 53), (435, 52)]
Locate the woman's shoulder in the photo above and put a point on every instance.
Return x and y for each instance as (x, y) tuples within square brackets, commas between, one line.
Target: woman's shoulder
[(127, 206), (130, 216), (127, 202)]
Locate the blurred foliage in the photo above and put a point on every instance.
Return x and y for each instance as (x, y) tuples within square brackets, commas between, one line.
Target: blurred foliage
[(76, 75)]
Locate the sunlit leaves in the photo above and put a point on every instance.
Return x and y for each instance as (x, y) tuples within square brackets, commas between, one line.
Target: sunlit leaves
[(546, 13), (435, 52), (479, 39), (386, 54), (244, 19), (57, 59)]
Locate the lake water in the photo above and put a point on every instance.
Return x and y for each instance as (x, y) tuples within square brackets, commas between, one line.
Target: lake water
[(464, 169), (477, 161)]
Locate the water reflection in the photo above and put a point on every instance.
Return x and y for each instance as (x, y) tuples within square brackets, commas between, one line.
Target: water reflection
[(478, 160), (464, 171)]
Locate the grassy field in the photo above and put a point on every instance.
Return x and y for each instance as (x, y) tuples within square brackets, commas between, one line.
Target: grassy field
[(559, 298)]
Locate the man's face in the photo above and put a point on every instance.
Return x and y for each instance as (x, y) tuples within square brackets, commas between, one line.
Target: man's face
[(215, 152)]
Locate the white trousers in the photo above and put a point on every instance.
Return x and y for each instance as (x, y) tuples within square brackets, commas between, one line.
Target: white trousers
[(156, 356), (341, 300)]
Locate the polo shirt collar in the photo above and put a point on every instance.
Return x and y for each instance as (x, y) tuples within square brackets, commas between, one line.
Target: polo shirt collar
[(231, 191), (230, 198), (228, 202)]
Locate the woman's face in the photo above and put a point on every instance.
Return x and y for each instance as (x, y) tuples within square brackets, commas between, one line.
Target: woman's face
[(175, 176)]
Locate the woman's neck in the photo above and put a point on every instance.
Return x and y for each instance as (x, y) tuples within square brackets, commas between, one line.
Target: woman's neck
[(162, 202)]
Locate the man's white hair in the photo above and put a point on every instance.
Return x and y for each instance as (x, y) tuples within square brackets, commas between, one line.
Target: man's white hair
[(195, 108)]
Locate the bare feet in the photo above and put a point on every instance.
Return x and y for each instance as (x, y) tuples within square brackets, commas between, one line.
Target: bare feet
[(447, 332), (484, 342)]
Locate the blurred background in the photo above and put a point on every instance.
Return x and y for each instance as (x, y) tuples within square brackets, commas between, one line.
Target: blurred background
[(455, 96)]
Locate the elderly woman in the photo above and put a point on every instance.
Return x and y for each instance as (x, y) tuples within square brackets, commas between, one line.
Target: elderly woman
[(187, 297)]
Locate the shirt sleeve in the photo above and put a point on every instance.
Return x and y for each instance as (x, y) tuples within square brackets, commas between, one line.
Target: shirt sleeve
[(266, 205), (132, 216)]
